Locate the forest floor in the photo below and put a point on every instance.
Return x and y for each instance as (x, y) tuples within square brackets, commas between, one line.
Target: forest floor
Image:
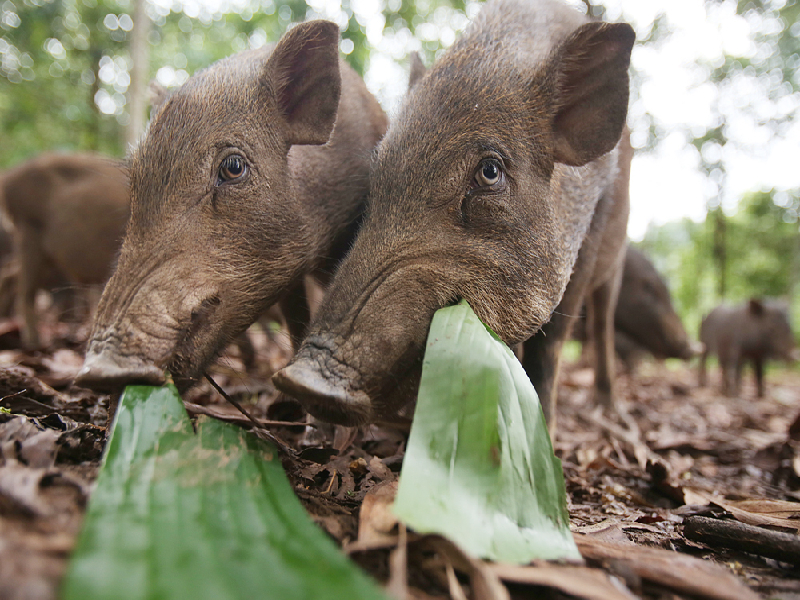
[(681, 494)]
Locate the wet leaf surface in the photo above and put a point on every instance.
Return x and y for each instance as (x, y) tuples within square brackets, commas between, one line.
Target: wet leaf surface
[(480, 468), (199, 511)]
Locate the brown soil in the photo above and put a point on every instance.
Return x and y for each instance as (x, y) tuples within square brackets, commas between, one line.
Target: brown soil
[(669, 471)]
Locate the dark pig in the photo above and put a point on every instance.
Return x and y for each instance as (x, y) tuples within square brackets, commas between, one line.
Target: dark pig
[(8, 268), (751, 332), (628, 351), (68, 213), (6, 237), (251, 175), (500, 182), (645, 321), (644, 313)]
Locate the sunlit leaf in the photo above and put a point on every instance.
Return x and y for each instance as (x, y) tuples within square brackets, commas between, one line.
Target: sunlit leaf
[(479, 467), (184, 515)]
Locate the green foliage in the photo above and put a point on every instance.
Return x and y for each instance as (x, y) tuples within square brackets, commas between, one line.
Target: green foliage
[(762, 249), (64, 64), (781, 34), (51, 52)]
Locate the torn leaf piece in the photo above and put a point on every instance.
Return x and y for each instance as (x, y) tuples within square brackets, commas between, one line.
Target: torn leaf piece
[(480, 468), (207, 515)]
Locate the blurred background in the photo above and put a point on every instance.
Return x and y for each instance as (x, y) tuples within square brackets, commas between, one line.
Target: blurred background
[(715, 187)]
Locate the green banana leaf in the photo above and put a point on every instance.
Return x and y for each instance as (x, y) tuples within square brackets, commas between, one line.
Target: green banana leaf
[(479, 467), (184, 515)]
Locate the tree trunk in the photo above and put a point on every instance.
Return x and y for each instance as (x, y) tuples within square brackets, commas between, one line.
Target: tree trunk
[(95, 131), (720, 251), (140, 57)]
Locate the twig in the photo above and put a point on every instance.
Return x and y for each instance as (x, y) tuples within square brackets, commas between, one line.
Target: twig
[(781, 546), (397, 587), (258, 428), (218, 414), (19, 393)]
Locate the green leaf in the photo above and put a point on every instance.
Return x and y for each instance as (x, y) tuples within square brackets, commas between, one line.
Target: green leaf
[(479, 467), (178, 514)]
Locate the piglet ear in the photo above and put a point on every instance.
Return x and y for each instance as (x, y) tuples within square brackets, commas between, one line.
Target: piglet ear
[(303, 69), (592, 91)]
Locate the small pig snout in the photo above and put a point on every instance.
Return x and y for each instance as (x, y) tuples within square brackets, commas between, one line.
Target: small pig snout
[(104, 373), (321, 396)]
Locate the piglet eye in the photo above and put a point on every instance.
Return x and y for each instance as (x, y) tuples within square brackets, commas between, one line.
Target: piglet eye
[(232, 169), (489, 173)]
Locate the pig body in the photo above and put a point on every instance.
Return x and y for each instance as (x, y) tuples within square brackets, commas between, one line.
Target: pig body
[(8, 268), (644, 319), (251, 175), (644, 312), (68, 213), (755, 331), (500, 181)]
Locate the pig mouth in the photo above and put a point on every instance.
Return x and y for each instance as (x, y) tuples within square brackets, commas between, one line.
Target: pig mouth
[(196, 346), (333, 391), (338, 390), (324, 385), (108, 373)]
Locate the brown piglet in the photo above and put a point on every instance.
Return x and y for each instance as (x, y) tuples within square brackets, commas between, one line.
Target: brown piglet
[(645, 315), (68, 213), (503, 180), (251, 175), (755, 331)]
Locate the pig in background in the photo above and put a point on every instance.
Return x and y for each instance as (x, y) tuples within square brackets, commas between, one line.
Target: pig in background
[(8, 268), (68, 213), (645, 319), (645, 322), (755, 331), (502, 180), (252, 175)]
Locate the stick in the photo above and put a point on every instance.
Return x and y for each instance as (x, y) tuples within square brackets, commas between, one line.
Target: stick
[(257, 427), (784, 547)]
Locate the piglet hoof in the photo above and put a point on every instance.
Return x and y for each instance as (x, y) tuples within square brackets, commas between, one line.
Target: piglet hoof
[(321, 397)]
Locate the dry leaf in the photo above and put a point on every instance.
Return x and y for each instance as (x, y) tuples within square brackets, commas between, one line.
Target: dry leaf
[(764, 513), (672, 570), (376, 519), (486, 585), (580, 582)]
